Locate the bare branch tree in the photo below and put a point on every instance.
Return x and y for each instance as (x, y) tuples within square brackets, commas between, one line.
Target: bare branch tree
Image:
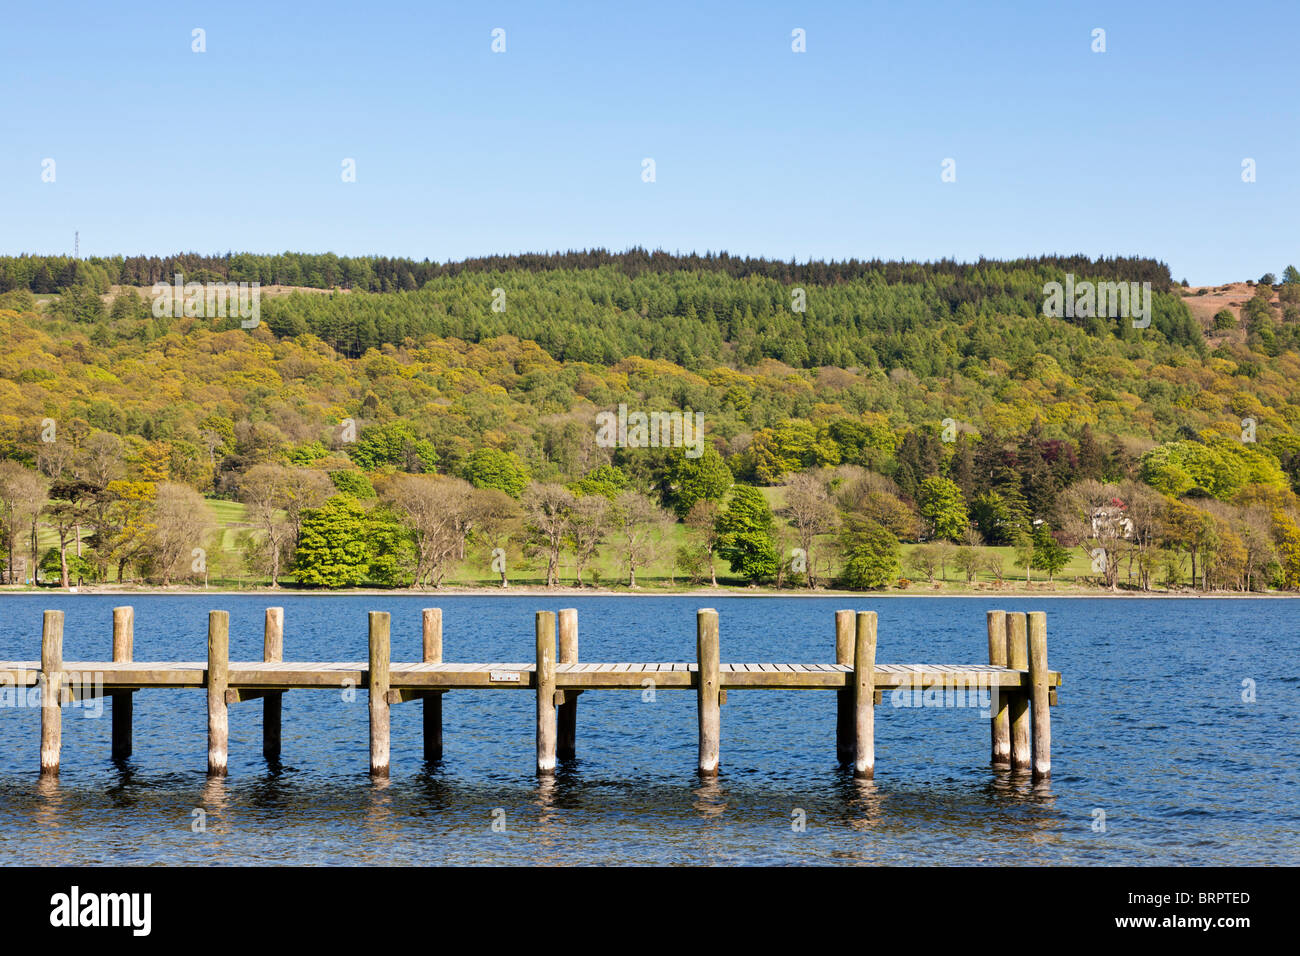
[(436, 511), (702, 522), (810, 511), (548, 516), (640, 524), (180, 524), (23, 493), (588, 526), (495, 521)]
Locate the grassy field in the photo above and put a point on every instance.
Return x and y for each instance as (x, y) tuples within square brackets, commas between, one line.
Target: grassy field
[(227, 568), (476, 570)]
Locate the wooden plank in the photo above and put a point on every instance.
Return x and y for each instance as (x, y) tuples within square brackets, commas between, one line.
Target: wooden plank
[(326, 676), (625, 679), (235, 695)]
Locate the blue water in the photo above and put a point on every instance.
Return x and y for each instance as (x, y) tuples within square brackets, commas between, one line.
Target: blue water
[(1151, 731)]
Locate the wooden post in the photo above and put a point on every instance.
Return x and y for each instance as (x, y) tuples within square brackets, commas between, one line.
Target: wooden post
[(567, 747), (710, 712), (546, 729), (123, 706), (1018, 703), (51, 681), (864, 696), (432, 628), (218, 680), (1001, 715), (844, 698), (378, 686), (1038, 691), (272, 651)]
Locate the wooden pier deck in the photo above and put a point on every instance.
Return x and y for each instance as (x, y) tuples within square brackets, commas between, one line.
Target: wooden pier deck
[(1016, 683), (257, 675)]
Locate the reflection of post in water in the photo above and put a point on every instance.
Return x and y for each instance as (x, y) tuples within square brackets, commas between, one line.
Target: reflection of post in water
[(710, 798), (49, 803), (378, 820), (545, 832), (208, 820), (710, 803), (215, 796), (861, 804), (1036, 792), (1041, 790), (1040, 822), (269, 791), (435, 795), (1023, 808), (547, 817), (865, 807), (121, 790)]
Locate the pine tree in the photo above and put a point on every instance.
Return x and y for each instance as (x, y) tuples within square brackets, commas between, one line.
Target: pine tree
[(745, 535)]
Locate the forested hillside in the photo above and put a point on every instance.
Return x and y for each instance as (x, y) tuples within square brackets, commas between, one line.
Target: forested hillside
[(912, 402)]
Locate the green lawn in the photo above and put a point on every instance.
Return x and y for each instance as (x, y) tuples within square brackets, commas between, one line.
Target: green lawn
[(227, 567)]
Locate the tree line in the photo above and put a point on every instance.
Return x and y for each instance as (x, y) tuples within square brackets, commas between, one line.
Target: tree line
[(403, 525), (42, 274)]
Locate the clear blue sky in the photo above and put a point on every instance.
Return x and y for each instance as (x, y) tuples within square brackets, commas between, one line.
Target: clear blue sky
[(832, 153)]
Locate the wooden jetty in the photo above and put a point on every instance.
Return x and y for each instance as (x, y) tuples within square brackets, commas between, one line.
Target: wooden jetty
[(1017, 684)]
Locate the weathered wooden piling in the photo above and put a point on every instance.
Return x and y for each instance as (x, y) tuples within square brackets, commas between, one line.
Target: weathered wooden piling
[(1018, 703), (123, 700), (567, 746), (378, 683), (1000, 718), (431, 628), (218, 680), (1038, 695), (546, 718), (708, 655), (51, 686), (272, 652), (844, 719), (864, 696)]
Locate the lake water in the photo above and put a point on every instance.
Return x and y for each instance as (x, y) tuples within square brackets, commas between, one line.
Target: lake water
[(1152, 731)]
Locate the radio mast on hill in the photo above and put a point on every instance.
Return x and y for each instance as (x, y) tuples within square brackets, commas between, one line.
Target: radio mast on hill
[(76, 245)]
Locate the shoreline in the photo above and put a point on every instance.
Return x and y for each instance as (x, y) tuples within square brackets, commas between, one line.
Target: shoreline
[(572, 591)]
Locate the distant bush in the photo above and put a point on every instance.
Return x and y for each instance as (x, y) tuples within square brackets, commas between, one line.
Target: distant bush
[(353, 483)]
